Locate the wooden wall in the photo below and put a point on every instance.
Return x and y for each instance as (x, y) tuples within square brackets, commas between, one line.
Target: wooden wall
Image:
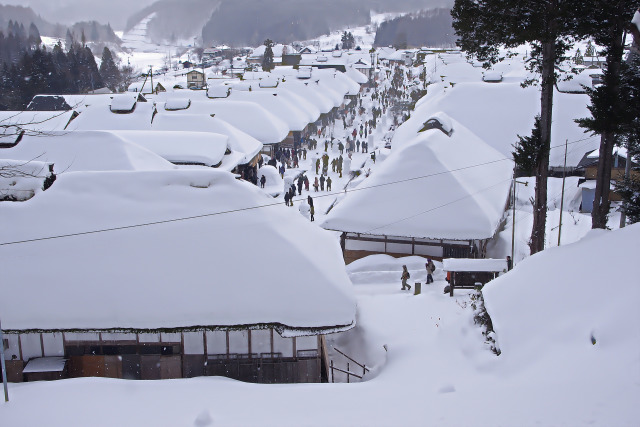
[(248, 355)]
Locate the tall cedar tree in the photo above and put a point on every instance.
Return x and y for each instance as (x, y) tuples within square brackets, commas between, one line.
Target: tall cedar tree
[(348, 41), (109, 70), (526, 151), (629, 189), (485, 26), (607, 21), (267, 58)]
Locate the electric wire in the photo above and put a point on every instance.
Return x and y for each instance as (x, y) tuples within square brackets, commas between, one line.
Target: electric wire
[(230, 211)]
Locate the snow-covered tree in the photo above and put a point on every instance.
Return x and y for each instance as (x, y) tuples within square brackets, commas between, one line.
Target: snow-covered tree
[(267, 58), (109, 70), (607, 22), (486, 26), (526, 151)]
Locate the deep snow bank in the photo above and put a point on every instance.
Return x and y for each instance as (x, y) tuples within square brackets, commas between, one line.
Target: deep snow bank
[(573, 310)]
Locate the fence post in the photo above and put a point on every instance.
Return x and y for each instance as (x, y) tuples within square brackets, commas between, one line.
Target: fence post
[(333, 379)]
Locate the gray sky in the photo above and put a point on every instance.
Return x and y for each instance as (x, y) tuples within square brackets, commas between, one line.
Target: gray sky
[(115, 12)]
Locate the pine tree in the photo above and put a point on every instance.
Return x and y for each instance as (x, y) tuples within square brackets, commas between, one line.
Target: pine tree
[(69, 40), (348, 40), (549, 26), (610, 111), (34, 35), (578, 59), (109, 70), (590, 51), (629, 188), (527, 150), (267, 59)]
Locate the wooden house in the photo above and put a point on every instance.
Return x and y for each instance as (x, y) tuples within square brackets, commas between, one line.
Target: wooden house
[(589, 164), (195, 80), (178, 300), (424, 200)]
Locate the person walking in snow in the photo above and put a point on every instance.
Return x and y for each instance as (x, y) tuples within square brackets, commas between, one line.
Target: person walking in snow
[(304, 153), (287, 196), (328, 183), (321, 182), (263, 181), (300, 184), (358, 146), (431, 267), (341, 147), (282, 171), (311, 208), (405, 276), (292, 194), (317, 166), (316, 185), (306, 183)]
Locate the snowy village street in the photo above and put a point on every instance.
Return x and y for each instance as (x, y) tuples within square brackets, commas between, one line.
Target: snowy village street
[(168, 269)]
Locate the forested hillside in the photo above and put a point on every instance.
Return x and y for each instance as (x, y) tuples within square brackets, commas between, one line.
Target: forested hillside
[(26, 16), (427, 28)]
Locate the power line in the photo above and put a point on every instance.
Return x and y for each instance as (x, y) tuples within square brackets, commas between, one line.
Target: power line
[(188, 218)]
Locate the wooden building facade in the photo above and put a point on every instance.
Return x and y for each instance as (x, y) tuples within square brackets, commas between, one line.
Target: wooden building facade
[(357, 245), (258, 355)]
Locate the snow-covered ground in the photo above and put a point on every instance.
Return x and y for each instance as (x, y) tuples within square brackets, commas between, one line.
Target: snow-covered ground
[(565, 319), (569, 342)]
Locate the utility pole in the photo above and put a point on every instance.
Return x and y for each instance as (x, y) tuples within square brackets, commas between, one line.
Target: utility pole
[(151, 74), (4, 367), (564, 174), (513, 222)]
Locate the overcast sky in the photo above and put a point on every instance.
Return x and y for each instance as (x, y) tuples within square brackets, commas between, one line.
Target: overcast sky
[(115, 12)]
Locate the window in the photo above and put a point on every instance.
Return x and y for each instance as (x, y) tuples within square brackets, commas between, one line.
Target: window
[(5, 343)]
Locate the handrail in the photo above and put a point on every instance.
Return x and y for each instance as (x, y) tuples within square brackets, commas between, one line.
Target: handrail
[(347, 372), (359, 364)]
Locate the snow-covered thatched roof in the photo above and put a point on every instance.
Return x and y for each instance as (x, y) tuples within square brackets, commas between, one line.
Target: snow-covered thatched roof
[(123, 103), (22, 179), (86, 151), (279, 106), (32, 122), (99, 117), (433, 186), (249, 117), (356, 75), (221, 270), (183, 148), (239, 141)]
